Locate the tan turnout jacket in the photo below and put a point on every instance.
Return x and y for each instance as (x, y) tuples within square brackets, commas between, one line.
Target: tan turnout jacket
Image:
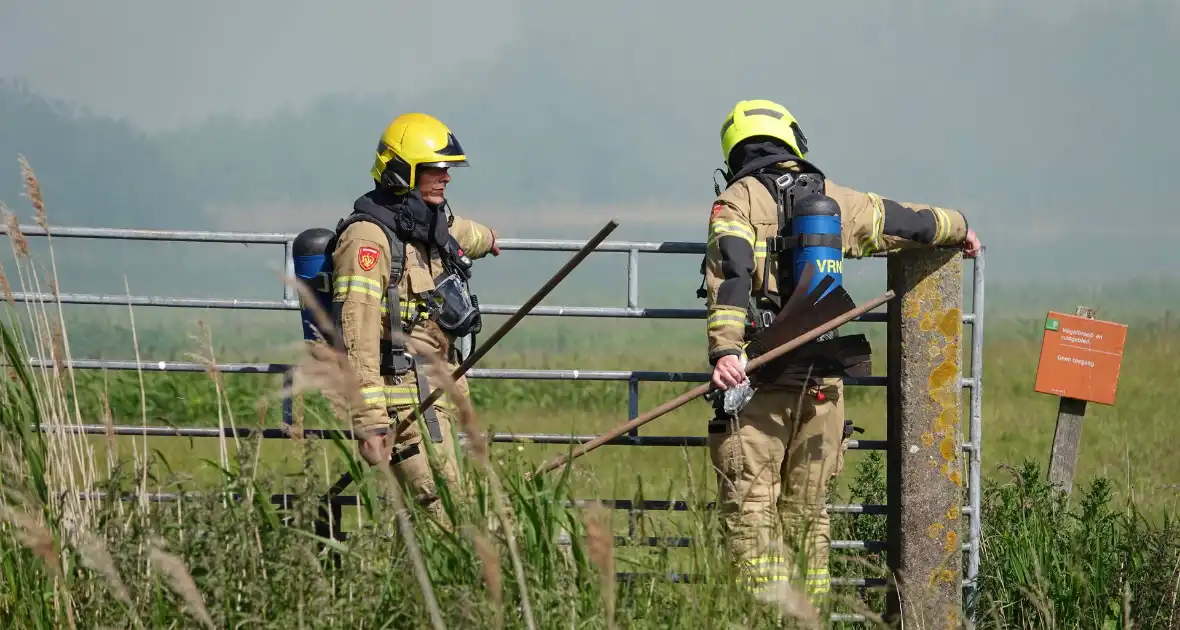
[(362, 271), (745, 215)]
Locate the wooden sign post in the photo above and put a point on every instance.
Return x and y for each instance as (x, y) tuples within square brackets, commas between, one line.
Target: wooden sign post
[(1080, 361)]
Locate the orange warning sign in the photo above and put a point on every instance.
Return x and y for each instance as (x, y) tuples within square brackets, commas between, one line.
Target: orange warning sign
[(1080, 358)]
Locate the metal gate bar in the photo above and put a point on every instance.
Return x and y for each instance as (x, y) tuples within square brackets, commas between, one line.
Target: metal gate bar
[(632, 309), (478, 373), (346, 434)]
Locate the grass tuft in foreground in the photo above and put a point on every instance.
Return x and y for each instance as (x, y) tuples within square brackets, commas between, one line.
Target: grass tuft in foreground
[(1088, 563), (516, 555), (226, 556)]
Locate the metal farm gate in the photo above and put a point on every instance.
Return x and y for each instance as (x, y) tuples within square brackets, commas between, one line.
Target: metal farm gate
[(289, 302)]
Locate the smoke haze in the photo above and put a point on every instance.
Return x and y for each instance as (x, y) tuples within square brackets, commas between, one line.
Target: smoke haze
[(1051, 124)]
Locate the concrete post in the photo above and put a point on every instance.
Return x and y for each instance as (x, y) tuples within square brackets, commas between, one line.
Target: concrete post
[(925, 472)]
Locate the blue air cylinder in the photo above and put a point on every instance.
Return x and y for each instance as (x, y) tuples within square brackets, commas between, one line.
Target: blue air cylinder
[(309, 251), (816, 223)]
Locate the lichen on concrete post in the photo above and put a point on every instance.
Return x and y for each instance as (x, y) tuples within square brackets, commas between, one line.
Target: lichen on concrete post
[(925, 471)]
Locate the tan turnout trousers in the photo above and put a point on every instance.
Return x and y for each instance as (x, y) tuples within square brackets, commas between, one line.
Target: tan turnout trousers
[(773, 466)]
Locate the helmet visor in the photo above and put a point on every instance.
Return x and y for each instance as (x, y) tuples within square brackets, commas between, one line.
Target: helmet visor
[(453, 150), (452, 147), (444, 163)]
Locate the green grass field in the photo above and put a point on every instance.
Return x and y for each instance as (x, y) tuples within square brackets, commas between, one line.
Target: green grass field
[(1127, 443)]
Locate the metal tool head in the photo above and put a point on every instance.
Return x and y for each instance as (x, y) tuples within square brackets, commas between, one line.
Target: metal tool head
[(737, 397)]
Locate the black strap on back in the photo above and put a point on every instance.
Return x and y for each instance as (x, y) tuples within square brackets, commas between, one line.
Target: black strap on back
[(760, 163), (431, 418), (758, 167), (398, 363), (768, 181)]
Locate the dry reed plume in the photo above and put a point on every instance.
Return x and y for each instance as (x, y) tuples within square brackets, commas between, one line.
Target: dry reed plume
[(69, 464), (325, 366), (181, 581), (33, 191), (224, 408), (5, 285), (327, 369), (477, 440), (793, 603), (33, 534), (600, 543), (70, 467), (490, 569), (19, 243)]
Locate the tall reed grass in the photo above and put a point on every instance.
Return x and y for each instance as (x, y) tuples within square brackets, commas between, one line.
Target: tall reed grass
[(76, 554)]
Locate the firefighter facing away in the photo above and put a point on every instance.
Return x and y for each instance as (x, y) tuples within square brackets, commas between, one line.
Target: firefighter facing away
[(402, 259), (776, 452)]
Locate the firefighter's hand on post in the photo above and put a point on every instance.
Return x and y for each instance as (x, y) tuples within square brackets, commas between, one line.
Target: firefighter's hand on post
[(971, 244), (728, 372)]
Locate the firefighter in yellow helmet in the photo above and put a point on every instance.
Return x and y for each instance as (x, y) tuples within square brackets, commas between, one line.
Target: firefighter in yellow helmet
[(776, 454), (403, 260)]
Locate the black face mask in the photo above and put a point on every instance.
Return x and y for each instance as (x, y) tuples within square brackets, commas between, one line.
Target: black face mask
[(763, 157), (408, 214), (746, 153)]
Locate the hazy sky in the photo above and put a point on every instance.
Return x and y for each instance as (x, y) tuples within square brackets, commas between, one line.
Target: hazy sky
[(161, 63), (1052, 122)]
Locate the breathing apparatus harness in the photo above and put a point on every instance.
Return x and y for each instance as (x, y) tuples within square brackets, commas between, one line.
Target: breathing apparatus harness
[(798, 197), (407, 218), (404, 218), (809, 232)]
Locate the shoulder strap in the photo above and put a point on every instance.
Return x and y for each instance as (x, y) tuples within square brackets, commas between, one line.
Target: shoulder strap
[(770, 160), (397, 247), (397, 265)]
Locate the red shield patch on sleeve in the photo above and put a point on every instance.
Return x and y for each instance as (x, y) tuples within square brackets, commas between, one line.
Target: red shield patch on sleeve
[(367, 257), (716, 210)]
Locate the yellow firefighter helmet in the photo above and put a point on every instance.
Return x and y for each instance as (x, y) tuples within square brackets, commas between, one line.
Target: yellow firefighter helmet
[(411, 141), (761, 118)]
